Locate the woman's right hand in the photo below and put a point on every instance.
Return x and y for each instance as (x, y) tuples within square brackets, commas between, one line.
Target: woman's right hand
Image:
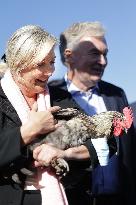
[(43, 154), (39, 123)]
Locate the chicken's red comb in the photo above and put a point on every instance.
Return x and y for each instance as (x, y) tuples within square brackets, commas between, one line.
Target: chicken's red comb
[(128, 117), (118, 127), (123, 123)]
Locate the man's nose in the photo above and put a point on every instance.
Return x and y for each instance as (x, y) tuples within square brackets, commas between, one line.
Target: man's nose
[(102, 60)]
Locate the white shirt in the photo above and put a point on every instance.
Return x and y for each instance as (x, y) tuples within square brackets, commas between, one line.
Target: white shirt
[(90, 101)]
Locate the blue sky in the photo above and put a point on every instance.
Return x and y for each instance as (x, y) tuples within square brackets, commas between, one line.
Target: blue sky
[(117, 16)]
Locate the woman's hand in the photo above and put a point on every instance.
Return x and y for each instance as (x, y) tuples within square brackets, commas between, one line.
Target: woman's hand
[(43, 122), (39, 123), (44, 154)]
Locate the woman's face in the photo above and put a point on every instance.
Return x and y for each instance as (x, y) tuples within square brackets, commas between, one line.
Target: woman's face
[(34, 80)]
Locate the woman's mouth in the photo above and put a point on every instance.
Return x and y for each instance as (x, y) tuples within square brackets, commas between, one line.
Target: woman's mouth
[(41, 82)]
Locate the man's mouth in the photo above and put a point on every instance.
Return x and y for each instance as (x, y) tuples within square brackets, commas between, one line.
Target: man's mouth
[(97, 70)]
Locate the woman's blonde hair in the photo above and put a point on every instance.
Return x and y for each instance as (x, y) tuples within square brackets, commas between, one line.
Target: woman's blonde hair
[(27, 47)]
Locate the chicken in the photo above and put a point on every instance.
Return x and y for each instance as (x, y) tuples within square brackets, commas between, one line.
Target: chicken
[(76, 128)]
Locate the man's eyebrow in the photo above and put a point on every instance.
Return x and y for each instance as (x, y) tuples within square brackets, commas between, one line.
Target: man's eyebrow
[(97, 50), (93, 50)]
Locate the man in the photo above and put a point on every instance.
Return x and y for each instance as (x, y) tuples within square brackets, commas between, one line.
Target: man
[(83, 50)]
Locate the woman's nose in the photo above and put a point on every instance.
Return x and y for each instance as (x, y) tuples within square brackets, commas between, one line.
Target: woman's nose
[(49, 71), (49, 74)]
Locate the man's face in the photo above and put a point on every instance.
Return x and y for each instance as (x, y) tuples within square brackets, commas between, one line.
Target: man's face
[(89, 60)]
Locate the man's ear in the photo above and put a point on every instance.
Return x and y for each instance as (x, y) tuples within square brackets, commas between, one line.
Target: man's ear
[(67, 53), (68, 56)]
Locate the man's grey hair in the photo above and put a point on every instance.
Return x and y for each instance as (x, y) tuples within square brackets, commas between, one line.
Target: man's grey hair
[(72, 35), (27, 47)]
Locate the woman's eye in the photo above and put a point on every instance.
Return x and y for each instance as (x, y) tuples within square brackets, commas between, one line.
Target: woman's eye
[(52, 62), (41, 64), (46, 63)]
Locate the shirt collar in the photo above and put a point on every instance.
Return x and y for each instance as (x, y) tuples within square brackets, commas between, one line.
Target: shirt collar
[(73, 89)]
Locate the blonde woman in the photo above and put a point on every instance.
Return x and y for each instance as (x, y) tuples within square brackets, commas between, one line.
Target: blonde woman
[(25, 114)]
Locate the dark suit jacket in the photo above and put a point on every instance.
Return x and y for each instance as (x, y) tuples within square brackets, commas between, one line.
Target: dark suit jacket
[(115, 100), (12, 156)]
